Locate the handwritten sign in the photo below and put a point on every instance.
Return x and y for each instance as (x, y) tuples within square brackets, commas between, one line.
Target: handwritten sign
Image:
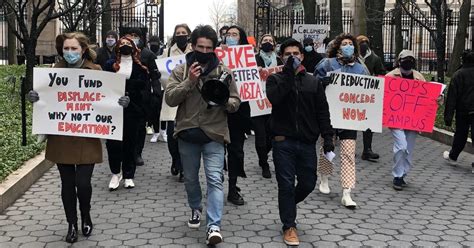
[(355, 101), (263, 106), (410, 104), (78, 102), (241, 60), (316, 32), (166, 65)]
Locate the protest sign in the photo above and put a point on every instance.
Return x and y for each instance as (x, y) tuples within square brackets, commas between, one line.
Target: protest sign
[(166, 65), (263, 106), (355, 101), (410, 104), (316, 32), (78, 102), (241, 60)]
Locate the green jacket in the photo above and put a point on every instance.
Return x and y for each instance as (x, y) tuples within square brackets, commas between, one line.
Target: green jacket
[(373, 63)]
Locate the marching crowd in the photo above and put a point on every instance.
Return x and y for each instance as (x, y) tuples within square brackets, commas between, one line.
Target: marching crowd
[(198, 126)]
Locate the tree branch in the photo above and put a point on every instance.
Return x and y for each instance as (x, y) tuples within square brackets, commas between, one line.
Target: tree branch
[(416, 19)]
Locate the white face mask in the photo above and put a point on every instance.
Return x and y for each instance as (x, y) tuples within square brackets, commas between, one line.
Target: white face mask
[(110, 42)]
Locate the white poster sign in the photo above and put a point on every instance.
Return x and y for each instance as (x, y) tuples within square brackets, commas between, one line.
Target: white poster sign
[(316, 32), (166, 65), (263, 106)]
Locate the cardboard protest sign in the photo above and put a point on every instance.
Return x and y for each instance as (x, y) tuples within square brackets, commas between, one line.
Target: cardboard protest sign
[(355, 101), (241, 60), (166, 65), (78, 102), (316, 32), (410, 104), (263, 106)]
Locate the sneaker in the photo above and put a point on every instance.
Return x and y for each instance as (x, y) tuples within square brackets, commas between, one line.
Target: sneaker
[(154, 139), (214, 237), (195, 220), (235, 198), (266, 172), (181, 177), (149, 130), (139, 161), (397, 183), (404, 184), (290, 236), (128, 184), (115, 181), (448, 159), (162, 136)]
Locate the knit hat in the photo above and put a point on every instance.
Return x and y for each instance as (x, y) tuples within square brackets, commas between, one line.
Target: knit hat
[(154, 40), (362, 38), (113, 33)]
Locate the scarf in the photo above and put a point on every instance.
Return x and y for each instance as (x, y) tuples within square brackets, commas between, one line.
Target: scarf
[(367, 54), (269, 60)]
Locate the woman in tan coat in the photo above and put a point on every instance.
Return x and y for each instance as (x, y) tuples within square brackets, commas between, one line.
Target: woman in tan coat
[(75, 156)]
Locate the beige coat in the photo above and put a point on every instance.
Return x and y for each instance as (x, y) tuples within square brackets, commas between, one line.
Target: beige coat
[(169, 113), (74, 150), (193, 111), (396, 73)]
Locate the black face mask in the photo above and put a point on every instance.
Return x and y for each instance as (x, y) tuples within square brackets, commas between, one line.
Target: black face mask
[(364, 47), (181, 41), (125, 50), (155, 48), (407, 64), (267, 47), (203, 58)]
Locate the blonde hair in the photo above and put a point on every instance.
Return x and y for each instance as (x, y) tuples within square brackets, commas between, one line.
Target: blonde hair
[(83, 40)]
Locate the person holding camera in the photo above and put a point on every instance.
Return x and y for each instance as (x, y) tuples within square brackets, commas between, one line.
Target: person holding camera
[(300, 114), (201, 126)]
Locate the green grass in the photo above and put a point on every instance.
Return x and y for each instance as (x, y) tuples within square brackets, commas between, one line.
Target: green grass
[(12, 153)]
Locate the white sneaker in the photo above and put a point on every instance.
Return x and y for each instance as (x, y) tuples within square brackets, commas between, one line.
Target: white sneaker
[(214, 237), (115, 181), (128, 184), (347, 200), (154, 139), (324, 185), (149, 130), (162, 136), (448, 159)]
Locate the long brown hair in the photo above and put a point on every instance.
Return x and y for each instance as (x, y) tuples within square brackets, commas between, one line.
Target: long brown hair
[(83, 40), (135, 54)]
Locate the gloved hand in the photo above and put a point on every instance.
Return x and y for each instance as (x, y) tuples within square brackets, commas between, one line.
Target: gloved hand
[(33, 96), (288, 68), (328, 145), (124, 101)]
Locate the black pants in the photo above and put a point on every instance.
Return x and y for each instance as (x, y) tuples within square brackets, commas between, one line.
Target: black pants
[(463, 122), (235, 155), (173, 146), (263, 141), (367, 138), (153, 118), (141, 136), (76, 184), (122, 153)]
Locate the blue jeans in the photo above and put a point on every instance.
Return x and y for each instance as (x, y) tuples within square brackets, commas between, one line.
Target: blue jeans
[(403, 145), (213, 156), (292, 159)]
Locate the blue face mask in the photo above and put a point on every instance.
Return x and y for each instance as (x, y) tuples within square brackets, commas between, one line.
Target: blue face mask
[(71, 57), (296, 62), (308, 48), (347, 51), (231, 41)]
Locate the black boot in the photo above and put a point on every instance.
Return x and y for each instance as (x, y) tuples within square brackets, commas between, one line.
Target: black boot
[(266, 171), (235, 198), (71, 236), (86, 224), (181, 177), (368, 154), (174, 170), (139, 161)]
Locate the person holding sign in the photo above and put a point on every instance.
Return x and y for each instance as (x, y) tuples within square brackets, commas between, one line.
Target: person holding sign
[(300, 114), (179, 45), (342, 57), (266, 58), (201, 126), (75, 156), (239, 125), (121, 154)]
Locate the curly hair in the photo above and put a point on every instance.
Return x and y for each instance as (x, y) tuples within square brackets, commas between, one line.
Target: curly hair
[(336, 45), (83, 40), (135, 54)]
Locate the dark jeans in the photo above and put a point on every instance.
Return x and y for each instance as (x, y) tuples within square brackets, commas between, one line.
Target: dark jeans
[(153, 117), (76, 184), (141, 136), (293, 159), (367, 138), (173, 146), (463, 122), (263, 141), (235, 154)]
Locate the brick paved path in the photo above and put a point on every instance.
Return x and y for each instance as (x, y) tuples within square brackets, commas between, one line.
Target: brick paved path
[(436, 209)]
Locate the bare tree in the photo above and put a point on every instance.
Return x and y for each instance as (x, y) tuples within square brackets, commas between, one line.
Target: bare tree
[(375, 10), (360, 18), (309, 11), (11, 43), (335, 11), (398, 27), (29, 29), (217, 13), (460, 40)]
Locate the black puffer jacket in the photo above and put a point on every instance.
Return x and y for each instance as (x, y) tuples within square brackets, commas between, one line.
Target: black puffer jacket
[(299, 107), (460, 94)]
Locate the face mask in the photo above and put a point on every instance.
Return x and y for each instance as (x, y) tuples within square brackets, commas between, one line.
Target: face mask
[(136, 41), (110, 42), (407, 65), (308, 48), (347, 51), (155, 48), (364, 47), (296, 62), (231, 41), (267, 47), (71, 57), (203, 58), (126, 50), (181, 41)]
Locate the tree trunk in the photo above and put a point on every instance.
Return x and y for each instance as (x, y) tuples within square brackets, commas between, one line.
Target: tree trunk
[(360, 18), (92, 29), (460, 40), (335, 11), (309, 11), (106, 19), (441, 7), (375, 12), (30, 54), (11, 43), (398, 28)]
